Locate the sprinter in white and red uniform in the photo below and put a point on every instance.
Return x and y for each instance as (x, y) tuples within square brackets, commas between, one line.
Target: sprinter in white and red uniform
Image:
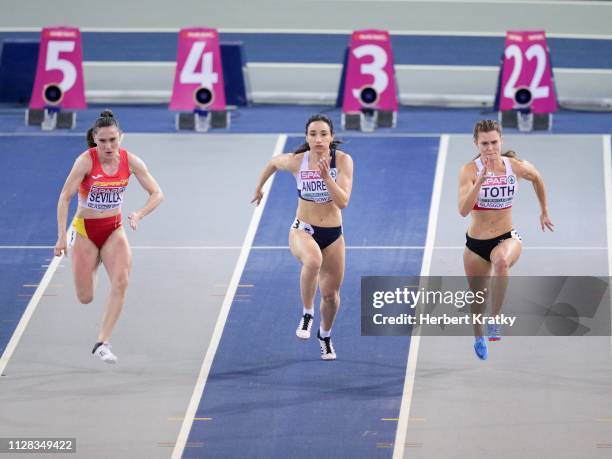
[(487, 188), (100, 176), (324, 178)]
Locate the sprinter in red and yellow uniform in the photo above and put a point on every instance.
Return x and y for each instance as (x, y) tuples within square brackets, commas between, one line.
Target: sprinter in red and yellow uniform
[(101, 175)]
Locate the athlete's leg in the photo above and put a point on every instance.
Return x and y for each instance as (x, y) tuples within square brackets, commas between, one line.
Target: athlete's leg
[(503, 258), (85, 261), (117, 259), (477, 270), (305, 249), (330, 279)]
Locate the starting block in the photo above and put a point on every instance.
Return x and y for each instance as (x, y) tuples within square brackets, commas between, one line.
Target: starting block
[(58, 84), (199, 91), (50, 118), (369, 98), (201, 120)]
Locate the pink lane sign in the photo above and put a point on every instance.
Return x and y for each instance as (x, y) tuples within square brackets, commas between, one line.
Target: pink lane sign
[(198, 80), (59, 73), (370, 75), (527, 65)]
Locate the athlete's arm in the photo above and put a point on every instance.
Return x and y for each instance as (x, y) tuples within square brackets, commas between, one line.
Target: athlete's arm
[(526, 170), (285, 162), (80, 169), (340, 189), (146, 180), (469, 189)]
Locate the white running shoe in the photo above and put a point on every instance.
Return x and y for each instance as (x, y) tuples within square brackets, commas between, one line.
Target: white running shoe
[(103, 352), (327, 348), (303, 330)]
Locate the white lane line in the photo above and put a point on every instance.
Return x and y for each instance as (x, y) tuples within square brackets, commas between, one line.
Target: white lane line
[(607, 166), (415, 340), (225, 308), (27, 314)]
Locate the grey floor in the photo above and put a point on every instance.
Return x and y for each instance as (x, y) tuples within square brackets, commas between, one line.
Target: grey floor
[(54, 387), (535, 397)]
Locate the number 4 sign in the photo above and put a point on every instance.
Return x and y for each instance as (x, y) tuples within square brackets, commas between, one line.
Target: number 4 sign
[(198, 80), (59, 74), (527, 65)]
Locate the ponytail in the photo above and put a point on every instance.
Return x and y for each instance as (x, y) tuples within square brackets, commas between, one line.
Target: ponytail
[(106, 119)]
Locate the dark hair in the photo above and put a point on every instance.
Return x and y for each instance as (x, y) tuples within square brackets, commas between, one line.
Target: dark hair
[(488, 126), (318, 117), (106, 119)]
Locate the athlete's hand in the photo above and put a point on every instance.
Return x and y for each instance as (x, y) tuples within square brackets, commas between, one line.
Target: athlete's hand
[(134, 218), (484, 172), (546, 223), (61, 246), (257, 197), (324, 168)]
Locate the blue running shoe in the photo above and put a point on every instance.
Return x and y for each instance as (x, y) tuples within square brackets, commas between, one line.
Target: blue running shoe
[(494, 332), (480, 347)]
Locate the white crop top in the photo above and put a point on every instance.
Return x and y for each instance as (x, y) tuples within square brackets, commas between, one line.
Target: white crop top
[(310, 185), (497, 191)]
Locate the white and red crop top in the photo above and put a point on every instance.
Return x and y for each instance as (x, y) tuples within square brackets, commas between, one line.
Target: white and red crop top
[(100, 191), (497, 191), (310, 185)]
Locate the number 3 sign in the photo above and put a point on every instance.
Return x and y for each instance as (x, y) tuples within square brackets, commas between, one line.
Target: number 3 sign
[(60, 66), (370, 68), (198, 80), (526, 64)]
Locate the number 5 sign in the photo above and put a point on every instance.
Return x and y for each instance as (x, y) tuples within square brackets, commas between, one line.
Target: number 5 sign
[(59, 74), (198, 80), (526, 64), (370, 75)]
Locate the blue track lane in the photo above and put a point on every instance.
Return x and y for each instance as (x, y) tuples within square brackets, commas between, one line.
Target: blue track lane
[(33, 174), (290, 118), (268, 393)]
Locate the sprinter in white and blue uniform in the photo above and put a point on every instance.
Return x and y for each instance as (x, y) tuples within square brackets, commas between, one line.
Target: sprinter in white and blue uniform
[(324, 179), (487, 188)]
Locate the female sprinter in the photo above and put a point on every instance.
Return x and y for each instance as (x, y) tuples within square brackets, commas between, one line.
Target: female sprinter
[(100, 175), (487, 187), (324, 177)]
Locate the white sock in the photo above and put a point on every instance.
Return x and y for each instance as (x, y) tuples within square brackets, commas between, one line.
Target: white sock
[(323, 333), (308, 311)]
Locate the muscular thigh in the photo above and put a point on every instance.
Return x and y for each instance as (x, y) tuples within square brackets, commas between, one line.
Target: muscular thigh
[(332, 268), (303, 246), (509, 249), (477, 270), (116, 253), (85, 258)]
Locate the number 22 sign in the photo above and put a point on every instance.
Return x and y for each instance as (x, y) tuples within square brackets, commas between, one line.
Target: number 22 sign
[(60, 63), (527, 65), (198, 65)]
